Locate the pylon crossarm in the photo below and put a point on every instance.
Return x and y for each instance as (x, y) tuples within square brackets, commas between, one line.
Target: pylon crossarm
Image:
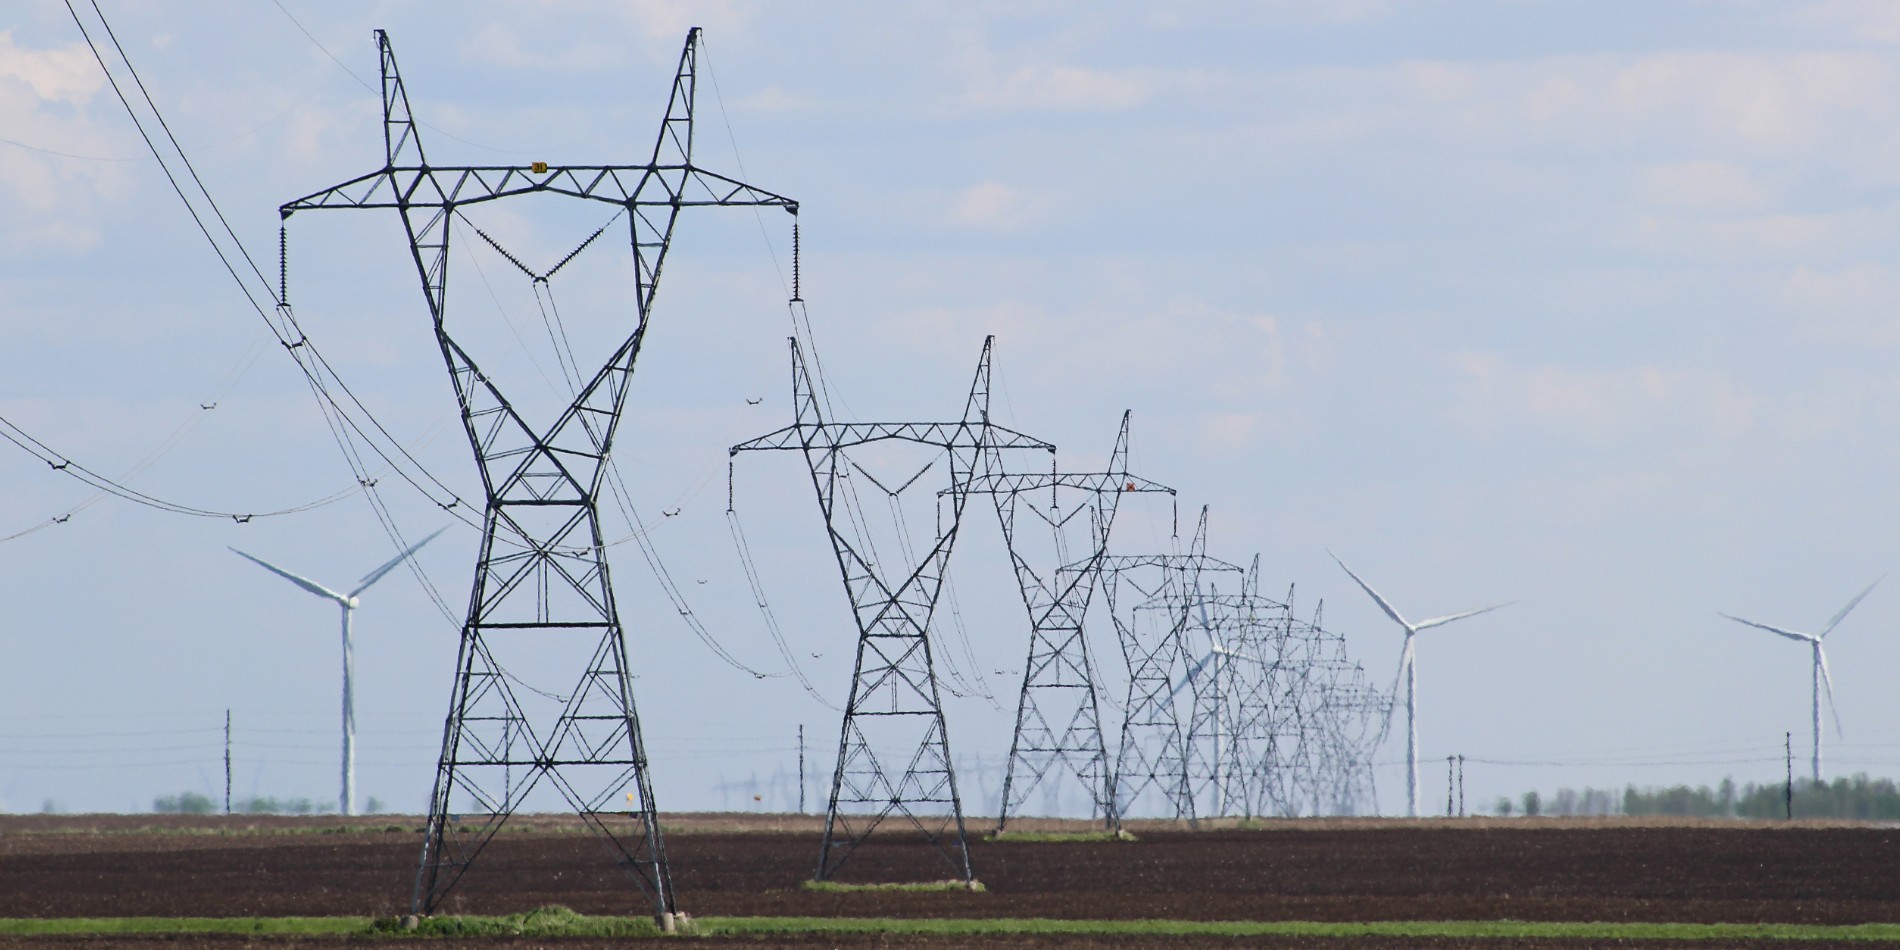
[(627, 186), (1012, 483), (1117, 563), (844, 435)]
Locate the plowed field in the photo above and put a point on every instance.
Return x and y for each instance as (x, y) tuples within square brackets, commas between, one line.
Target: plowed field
[(1480, 870)]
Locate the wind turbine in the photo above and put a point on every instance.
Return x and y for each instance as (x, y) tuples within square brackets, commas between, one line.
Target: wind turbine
[(347, 800), (1821, 678), (1409, 670)]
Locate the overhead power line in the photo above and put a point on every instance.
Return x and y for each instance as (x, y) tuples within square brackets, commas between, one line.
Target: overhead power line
[(64, 464), (349, 420)]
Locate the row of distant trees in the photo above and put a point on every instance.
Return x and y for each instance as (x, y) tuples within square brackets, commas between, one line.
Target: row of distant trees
[(192, 803), (1858, 797)]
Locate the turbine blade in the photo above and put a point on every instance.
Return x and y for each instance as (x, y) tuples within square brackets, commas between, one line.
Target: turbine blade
[(1831, 624), (1827, 680), (1201, 602), (1192, 672), (1238, 655), (1790, 634), (1394, 614), (303, 582), (377, 574), (1441, 621)]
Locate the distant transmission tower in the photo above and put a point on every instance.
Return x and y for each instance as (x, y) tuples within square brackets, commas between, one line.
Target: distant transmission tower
[(894, 714), (1058, 715), (1159, 746), (541, 592)]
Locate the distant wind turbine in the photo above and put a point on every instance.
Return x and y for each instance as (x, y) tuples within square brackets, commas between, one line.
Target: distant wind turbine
[(1821, 678), (1408, 670), (347, 799)]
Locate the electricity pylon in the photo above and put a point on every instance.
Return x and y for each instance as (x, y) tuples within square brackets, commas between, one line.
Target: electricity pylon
[(541, 593), (1282, 718), (1158, 748), (1058, 714), (894, 712), (1241, 702)]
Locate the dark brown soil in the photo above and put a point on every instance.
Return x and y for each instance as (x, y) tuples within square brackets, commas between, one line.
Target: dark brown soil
[(198, 942), (1704, 872)]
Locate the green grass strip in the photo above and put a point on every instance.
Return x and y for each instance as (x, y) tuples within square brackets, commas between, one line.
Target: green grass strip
[(1059, 837), (1465, 929), (834, 887), (551, 921), (561, 922)]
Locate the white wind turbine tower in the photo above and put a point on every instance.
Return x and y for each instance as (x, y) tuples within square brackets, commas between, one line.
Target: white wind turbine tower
[(1408, 669), (1821, 678), (348, 602)]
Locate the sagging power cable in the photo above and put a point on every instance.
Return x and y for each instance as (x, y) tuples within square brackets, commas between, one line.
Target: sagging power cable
[(318, 374), (744, 548), (623, 499)]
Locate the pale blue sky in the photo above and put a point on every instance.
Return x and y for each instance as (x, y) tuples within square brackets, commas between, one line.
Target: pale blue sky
[(1588, 306)]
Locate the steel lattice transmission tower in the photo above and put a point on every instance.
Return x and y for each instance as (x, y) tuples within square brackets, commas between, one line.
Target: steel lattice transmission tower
[(1283, 721), (541, 586), (894, 713), (1058, 714), (1239, 701), (1158, 744)]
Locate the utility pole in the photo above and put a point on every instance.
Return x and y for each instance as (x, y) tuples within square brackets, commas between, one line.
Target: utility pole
[(801, 768), (1461, 786), (227, 760), (542, 579), (1787, 794), (1451, 782)]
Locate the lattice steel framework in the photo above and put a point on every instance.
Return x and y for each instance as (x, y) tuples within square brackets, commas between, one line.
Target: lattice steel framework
[(1342, 712), (1283, 720), (541, 581), (894, 706), (1058, 714), (1227, 684), (1157, 742)]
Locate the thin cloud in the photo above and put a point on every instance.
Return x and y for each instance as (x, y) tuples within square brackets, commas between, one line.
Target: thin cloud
[(66, 75), (1066, 89), (995, 206), (1605, 405)]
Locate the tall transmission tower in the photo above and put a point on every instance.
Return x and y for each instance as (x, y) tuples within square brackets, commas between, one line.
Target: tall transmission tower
[(894, 712), (1158, 743), (1058, 715), (541, 594)]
